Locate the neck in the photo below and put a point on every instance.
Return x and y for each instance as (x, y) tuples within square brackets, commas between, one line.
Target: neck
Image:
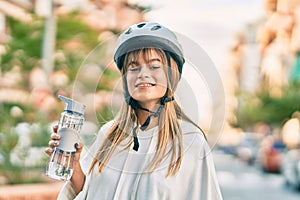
[(150, 105), (143, 115)]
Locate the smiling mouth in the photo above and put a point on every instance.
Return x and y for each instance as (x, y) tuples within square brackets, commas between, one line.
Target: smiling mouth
[(144, 85)]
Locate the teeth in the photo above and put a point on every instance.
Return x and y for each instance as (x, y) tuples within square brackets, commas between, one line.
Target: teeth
[(145, 85)]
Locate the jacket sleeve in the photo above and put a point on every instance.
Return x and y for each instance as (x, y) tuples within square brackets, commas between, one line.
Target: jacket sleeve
[(67, 192)]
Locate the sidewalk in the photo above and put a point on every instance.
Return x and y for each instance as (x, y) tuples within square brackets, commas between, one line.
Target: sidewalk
[(42, 191)]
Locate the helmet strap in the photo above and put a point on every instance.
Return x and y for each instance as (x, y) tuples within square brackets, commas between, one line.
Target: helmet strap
[(136, 144), (136, 106)]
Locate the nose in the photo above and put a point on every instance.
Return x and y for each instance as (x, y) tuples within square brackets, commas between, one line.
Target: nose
[(144, 72)]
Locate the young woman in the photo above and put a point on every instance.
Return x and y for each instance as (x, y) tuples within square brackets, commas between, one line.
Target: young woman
[(151, 150)]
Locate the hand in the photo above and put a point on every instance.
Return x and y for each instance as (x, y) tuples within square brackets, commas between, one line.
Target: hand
[(54, 142), (78, 176)]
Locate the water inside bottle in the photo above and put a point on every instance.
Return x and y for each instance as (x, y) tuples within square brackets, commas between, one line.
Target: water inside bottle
[(70, 120), (60, 165)]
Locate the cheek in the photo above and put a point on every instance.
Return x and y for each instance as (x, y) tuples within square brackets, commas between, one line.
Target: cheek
[(130, 83), (162, 80), (162, 85), (161, 91)]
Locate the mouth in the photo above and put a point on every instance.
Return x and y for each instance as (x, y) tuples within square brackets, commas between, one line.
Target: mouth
[(144, 85)]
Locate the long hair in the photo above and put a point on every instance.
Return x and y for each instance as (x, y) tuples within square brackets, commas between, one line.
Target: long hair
[(169, 132)]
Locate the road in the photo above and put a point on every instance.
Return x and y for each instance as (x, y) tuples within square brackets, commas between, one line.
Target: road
[(239, 181)]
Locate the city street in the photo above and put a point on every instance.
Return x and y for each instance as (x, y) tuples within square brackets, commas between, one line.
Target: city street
[(239, 181)]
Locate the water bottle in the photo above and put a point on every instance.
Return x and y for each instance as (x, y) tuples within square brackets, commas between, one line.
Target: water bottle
[(60, 165)]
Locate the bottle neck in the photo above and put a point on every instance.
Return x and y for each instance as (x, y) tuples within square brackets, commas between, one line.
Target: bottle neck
[(73, 113)]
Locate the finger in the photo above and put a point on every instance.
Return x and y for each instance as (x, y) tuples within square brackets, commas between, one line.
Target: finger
[(78, 146), (48, 151), (55, 136), (55, 127), (53, 143)]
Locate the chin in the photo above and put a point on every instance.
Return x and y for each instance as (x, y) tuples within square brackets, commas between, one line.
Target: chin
[(147, 99)]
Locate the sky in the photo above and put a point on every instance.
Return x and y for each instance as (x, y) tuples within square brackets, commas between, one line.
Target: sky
[(210, 23)]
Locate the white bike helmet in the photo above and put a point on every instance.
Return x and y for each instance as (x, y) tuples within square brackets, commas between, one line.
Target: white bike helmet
[(148, 35)]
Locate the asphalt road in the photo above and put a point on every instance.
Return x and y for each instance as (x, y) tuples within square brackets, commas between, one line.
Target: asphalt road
[(239, 181)]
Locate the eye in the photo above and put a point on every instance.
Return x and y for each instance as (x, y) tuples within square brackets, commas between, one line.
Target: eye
[(155, 64), (154, 67), (134, 69)]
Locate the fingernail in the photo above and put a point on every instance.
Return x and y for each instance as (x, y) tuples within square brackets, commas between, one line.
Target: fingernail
[(78, 144), (55, 143), (57, 136)]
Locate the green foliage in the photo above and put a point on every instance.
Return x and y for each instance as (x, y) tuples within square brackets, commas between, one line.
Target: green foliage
[(7, 142), (25, 36), (140, 7), (268, 109), (105, 82), (24, 47), (7, 120), (105, 115), (71, 64), (70, 27), (39, 135), (16, 173)]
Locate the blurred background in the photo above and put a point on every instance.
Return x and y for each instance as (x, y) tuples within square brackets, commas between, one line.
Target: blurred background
[(52, 47)]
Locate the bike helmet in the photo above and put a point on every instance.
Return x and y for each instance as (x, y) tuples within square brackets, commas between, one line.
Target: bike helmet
[(148, 35)]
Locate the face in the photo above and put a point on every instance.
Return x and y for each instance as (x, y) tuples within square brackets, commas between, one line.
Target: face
[(146, 78)]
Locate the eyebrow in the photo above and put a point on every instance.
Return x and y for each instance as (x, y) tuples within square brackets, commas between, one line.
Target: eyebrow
[(155, 59), (151, 60), (132, 63)]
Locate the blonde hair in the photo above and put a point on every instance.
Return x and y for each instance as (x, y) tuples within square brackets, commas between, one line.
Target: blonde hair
[(169, 128)]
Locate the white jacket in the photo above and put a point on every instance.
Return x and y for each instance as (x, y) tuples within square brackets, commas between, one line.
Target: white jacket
[(125, 178)]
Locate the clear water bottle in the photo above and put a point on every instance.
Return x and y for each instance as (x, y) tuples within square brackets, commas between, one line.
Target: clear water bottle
[(60, 165)]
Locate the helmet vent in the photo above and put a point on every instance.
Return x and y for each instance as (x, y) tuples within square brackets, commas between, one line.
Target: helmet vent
[(141, 25), (154, 28), (128, 31)]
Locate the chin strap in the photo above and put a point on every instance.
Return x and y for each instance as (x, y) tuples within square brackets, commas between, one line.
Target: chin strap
[(136, 144), (143, 127)]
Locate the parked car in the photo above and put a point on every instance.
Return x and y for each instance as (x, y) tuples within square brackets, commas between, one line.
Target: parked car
[(271, 155), (247, 149)]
